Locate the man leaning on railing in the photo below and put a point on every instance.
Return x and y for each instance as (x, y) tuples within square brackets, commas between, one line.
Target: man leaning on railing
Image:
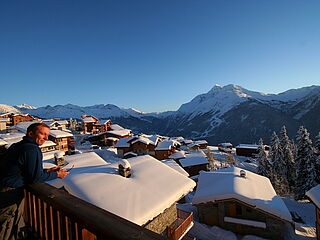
[(22, 165)]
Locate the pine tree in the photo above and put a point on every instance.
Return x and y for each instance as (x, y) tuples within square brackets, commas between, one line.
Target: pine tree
[(305, 164), (264, 166), (317, 154), (280, 181), (287, 158)]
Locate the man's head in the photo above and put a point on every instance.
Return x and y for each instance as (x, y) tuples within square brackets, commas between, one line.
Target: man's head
[(39, 132)]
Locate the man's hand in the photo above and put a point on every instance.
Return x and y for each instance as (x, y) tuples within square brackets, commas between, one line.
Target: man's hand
[(54, 169), (62, 173)]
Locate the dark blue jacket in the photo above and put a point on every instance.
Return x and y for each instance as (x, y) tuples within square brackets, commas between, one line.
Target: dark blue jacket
[(24, 165)]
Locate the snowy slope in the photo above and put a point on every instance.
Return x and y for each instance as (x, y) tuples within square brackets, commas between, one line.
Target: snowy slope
[(4, 108)]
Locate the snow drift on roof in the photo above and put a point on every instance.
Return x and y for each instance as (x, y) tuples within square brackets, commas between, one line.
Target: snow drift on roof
[(194, 158), (152, 187), (314, 195)]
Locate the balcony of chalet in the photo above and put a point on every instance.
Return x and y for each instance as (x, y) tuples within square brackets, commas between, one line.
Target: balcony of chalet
[(52, 213), (181, 226)]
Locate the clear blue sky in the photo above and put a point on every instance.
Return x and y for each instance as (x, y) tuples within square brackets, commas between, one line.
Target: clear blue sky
[(153, 55)]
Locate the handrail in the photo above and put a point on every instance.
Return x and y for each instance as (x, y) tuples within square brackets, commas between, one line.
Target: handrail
[(54, 214), (187, 220)]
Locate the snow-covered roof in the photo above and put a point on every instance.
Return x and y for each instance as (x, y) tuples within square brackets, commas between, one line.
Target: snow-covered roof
[(23, 126), (116, 127), (120, 133), (60, 134), (173, 164), (254, 189), (178, 155), (153, 138), (123, 142), (48, 143), (201, 142), (152, 187), (194, 158), (248, 146), (103, 122), (165, 145), (112, 138), (130, 153), (88, 120), (143, 140), (225, 144), (314, 195)]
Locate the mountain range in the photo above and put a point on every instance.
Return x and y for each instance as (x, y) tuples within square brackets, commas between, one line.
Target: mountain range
[(224, 114)]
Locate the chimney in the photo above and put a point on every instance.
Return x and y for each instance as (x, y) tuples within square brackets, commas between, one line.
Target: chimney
[(58, 158), (243, 173), (124, 168)]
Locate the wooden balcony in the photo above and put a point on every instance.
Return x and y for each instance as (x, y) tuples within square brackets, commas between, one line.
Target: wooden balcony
[(181, 225), (54, 214)]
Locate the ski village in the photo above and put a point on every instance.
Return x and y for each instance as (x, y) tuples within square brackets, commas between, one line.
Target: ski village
[(128, 185)]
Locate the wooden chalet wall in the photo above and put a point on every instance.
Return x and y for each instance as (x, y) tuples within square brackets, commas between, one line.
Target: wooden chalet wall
[(246, 152), (214, 213), (21, 118), (194, 170)]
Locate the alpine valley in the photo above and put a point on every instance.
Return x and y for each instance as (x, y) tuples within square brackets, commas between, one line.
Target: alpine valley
[(224, 114)]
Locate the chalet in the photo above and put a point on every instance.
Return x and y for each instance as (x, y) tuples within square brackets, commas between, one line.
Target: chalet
[(247, 150), (64, 140), (241, 201), (110, 137), (16, 118), (146, 196), (88, 122), (194, 162), (165, 148), (143, 146), (123, 146), (102, 126), (6, 117), (314, 195), (3, 123), (57, 124), (203, 144), (225, 147), (48, 146), (177, 155)]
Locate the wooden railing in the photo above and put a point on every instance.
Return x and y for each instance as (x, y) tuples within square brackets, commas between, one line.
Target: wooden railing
[(54, 214), (184, 219)]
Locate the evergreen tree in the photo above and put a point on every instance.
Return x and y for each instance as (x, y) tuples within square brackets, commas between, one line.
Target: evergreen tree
[(305, 164), (287, 159), (264, 166), (280, 181), (317, 154)]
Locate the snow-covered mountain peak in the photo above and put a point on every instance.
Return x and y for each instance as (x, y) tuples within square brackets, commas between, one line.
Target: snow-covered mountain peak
[(25, 106), (4, 108), (219, 99)]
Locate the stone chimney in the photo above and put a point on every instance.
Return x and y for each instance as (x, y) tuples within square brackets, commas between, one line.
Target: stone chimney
[(124, 168)]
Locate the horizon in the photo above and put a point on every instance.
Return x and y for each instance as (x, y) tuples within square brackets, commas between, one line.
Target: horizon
[(153, 56)]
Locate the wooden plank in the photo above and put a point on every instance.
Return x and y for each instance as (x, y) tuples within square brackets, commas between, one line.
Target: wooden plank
[(91, 217)]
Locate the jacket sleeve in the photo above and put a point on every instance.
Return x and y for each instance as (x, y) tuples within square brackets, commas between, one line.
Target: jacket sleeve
[(33, 171)]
